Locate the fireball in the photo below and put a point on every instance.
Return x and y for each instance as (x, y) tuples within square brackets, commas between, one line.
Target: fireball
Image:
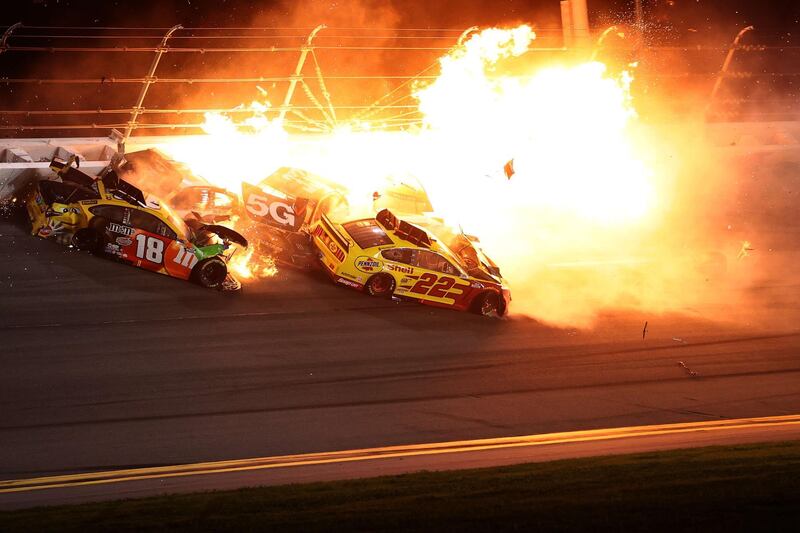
[(581, 191)]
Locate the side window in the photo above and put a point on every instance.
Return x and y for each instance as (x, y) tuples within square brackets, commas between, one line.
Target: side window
[(112, 213), (148, 222), (399, 255), (433, 261)]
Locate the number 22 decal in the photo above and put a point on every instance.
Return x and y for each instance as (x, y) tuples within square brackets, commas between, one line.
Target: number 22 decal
[(425, 285), (149, 248)]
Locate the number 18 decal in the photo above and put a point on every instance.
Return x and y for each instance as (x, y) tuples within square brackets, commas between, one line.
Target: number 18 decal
[(149, 248)]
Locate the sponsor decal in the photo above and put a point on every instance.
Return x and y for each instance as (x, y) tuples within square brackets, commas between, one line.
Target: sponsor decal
[(113, 227), (286, 213), (123, 241), (348, 275), (89, 202), (367, 264), (328, 242), (348, 283), (400, 268)]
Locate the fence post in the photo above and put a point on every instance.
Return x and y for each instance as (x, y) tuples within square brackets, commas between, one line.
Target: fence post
[(298, 71), (149, 80), (725, 65), (6, 35)]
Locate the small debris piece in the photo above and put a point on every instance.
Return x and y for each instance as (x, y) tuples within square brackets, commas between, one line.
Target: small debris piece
[(689, 371), (644, 329), (678, 339), (745, 250)]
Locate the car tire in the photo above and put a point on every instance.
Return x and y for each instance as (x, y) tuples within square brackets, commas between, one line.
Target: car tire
[(87, 239), (487, 304), (380, 285), (210, 272)]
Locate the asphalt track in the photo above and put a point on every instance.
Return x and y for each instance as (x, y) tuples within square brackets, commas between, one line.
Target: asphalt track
[(106, 367)]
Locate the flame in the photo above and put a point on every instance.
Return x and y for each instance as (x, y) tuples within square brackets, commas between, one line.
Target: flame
[(246, 268), (583, 188)]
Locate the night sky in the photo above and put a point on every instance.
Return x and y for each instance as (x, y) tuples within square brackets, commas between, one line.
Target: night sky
[(681, 22), (775, 16)]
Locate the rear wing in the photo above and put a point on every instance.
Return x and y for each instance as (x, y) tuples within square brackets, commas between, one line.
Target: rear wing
[(67, 172), (333, 232), (403, 229)]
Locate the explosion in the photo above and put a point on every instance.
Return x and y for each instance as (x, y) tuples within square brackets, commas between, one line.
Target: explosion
[(574, 220)]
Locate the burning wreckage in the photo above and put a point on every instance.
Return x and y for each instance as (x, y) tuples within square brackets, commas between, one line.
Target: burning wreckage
[(110, 216), (190, 230)]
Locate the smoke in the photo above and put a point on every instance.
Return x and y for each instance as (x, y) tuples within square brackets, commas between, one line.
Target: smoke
[(605, 210)]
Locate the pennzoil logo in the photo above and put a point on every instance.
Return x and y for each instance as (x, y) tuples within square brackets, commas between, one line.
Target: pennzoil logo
[(329, 243), (119, 228), (367, 264)]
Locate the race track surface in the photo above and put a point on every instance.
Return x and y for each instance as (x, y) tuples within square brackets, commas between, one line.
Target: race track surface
[(105, 366)]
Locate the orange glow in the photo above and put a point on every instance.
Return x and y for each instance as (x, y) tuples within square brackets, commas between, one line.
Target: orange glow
[(584, 192), (245, 267)]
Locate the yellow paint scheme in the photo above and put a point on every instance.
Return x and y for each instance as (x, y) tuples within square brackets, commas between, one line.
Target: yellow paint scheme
[(350, 265), (69, 218)]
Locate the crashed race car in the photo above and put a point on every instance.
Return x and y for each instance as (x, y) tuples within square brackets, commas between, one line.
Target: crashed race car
[(385, 257), (109, 216), (281, 209), (189, 195), (285, 205)]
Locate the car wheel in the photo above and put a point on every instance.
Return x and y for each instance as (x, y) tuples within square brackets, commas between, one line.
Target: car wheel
[(380, 285), (87, 239), (487, 304), (210, 272)]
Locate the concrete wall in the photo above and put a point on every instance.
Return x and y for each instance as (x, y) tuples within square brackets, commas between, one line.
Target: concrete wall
[(23, 160)]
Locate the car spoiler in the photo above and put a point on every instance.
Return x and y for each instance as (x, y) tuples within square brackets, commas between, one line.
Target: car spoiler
[(331, 229), (69, 173), (225, 233), (403, 229)]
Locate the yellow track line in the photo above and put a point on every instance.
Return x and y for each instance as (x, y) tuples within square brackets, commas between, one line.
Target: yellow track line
[(284, 461)]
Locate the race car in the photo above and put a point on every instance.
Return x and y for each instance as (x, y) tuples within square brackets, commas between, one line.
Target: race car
[(189, 195), (286, 204), (385, 256), (110, 216), (281, 209)]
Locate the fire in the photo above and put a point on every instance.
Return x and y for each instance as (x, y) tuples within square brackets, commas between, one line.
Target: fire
[(245, 267), (583, 190)]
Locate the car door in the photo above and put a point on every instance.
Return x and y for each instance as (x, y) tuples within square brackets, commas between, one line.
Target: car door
[(437, 279), (155, 246)]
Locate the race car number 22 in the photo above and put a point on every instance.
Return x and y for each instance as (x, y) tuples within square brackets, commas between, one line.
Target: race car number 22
[(149, 248), (425, 285)]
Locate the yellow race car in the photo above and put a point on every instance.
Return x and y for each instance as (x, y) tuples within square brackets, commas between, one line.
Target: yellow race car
[(385, 256), (110, 216)]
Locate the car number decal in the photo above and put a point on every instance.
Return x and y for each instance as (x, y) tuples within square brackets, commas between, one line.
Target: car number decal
[(149, 248), (434, 286)]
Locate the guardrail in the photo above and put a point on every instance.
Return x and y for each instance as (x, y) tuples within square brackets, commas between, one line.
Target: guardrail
[(395, 109)]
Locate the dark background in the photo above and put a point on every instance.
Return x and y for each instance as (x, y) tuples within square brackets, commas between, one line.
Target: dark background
[(724, 15), (676, 80)]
